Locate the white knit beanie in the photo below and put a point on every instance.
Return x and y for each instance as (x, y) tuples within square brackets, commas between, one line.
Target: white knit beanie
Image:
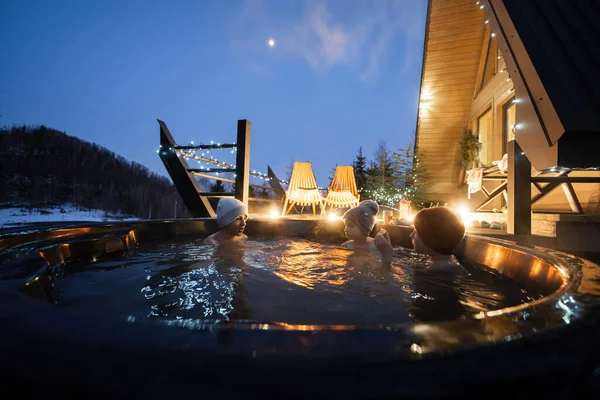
[(228, 210)]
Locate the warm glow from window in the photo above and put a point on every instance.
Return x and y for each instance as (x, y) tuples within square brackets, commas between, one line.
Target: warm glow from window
[(485, 130), (511, 121), (491, 59)]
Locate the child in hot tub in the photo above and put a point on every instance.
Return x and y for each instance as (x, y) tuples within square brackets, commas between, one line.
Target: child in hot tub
[(359, 222), (231, 217), (438, 231)]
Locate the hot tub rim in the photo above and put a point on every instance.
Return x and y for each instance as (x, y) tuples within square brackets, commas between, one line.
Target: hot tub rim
[(568, 270)]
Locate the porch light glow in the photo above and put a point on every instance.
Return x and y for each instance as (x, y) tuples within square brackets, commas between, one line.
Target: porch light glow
[(274, 214), (465, 215), (334, 217)]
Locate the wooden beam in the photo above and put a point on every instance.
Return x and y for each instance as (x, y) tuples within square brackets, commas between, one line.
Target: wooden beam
[(216, 194), (566, 179), (216, 178), (242, 177), (206, 146), (184, 181), (519, 191), (572, 198), (544, 191), (492, 195), (205, 170)]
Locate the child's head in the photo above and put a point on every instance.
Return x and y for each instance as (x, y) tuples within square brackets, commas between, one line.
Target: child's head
[(439, 229), (232, 215), (360, 220)]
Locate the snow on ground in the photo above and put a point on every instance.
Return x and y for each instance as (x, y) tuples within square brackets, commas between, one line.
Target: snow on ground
[(23, 215)]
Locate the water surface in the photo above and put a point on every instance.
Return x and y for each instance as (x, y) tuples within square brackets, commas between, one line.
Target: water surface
[(294, 281)]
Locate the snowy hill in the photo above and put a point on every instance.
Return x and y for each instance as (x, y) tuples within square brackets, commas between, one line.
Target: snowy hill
[(42, 168), (16, 215)]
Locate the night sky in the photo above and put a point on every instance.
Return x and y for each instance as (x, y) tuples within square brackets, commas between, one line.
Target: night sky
[(339, 74)]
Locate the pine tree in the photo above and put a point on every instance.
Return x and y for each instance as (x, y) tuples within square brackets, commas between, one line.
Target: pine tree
[(264, 194), (381, 178), (217, 187), (409, 170), (380, 174), (360, 170), (332, 172)]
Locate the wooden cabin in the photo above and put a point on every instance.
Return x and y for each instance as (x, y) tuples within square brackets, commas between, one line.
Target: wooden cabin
[(512, 69)]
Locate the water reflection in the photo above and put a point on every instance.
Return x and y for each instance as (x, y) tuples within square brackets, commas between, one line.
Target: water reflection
[(211, 286), (298, 282), (435, 297)]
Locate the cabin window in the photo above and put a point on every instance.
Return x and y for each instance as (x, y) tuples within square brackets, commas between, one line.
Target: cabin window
[(491, 58), (484, 132), (509, 120)]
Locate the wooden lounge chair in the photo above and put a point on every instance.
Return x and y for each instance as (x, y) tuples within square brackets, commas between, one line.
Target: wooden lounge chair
[(302, 190), (343, 192)]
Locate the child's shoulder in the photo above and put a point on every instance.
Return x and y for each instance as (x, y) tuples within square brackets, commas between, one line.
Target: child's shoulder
[(212, 239)]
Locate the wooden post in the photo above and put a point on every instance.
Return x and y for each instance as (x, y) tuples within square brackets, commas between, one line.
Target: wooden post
[(519, 191), (242, 163), (184, 181)]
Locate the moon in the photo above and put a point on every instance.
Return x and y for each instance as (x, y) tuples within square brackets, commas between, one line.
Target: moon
[(271, 42)]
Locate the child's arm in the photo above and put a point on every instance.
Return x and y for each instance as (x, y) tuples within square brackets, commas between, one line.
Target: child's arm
[(384, 245)]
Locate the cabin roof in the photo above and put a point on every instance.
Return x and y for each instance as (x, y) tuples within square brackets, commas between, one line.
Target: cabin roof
[(560, 37)]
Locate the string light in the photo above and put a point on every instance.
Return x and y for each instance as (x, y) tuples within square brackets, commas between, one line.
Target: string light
[(213, 160)]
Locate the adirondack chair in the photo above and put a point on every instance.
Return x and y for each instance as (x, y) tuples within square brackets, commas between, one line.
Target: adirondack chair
[(343, 191), (303, 190)]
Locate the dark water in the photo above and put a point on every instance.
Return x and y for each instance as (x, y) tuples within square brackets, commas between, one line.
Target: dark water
[(292, 281)]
